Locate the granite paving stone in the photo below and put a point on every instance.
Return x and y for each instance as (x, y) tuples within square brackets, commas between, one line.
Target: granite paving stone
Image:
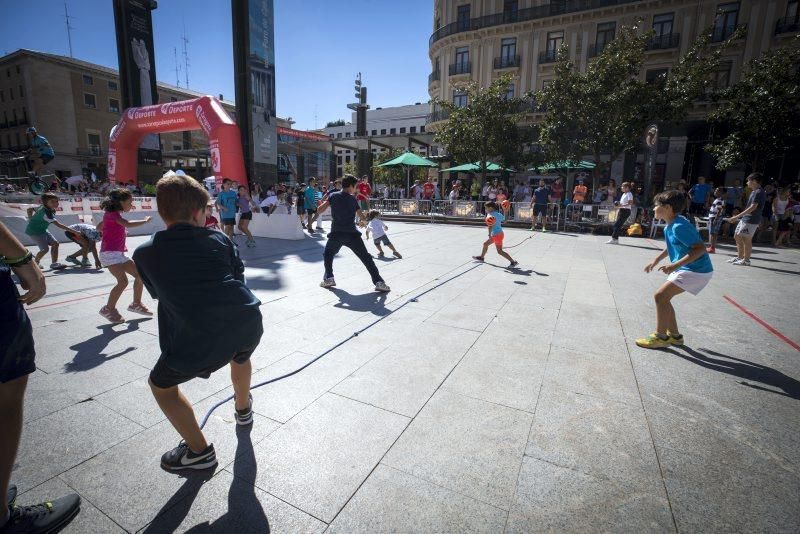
[(467, 445)]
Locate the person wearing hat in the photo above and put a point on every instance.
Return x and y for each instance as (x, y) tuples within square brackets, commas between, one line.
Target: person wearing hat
[(579, 193), (43, 154)]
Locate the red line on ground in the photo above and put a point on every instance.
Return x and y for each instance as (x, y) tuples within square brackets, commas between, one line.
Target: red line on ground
[(70, 300), (757, 319)]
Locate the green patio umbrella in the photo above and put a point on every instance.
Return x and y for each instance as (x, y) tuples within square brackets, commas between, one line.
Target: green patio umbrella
[(408, 160), (555, 165), (476, 167)]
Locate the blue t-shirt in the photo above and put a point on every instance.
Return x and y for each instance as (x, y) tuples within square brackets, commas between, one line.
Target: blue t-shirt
[(310, 202), (542, 195), (227, 199), (680, 235), (42, 145), (343, 212), (699, 193), (497, 227)]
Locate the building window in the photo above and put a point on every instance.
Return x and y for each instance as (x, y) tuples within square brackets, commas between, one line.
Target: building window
[(383, 132), (338, 160), (460, 99), (605, 34), (462, 57), (347, 134), (11, 93), (374, 132), (510, 6), (662, 24), (94, 143), (113, 105), (88, 80), (392, 131), (402, 130), (721, 76), (17, 69), (176, 146), (24, 116), (422, 129), (413, 129), (545, 83), (726, 20), (347, 159), (508, 49), (509, 94), (89, 100), (554, 41), (656, 75), (339, 135), (112, 86), (8, 73), (186, 138), (792, 13), (462, 20)]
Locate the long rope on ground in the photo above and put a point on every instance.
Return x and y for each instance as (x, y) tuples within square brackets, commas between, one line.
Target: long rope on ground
[(339, 344)]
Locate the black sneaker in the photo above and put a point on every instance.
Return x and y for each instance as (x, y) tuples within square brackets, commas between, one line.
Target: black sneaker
[(181, 457), (245, 417), (11, 496), (513, 264), (49, 516)]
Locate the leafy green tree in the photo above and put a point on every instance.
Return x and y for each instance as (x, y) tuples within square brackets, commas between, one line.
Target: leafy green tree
[(761, 112), (604, 110), (393, 176), (486, 128)]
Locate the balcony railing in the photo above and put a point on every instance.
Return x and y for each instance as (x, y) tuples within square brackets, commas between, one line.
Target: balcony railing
[(787, 25), (548, 56), (434, 76), (437, 115), (664, 42), (595, 49), (507, 62), (532, 13), (721, 33), (465, 67)]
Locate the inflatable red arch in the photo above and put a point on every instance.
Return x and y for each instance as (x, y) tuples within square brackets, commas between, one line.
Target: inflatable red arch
[(204, 113)]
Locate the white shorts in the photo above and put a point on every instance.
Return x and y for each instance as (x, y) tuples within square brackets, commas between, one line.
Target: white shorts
[(690, 281), (113, 257), (747, 230)]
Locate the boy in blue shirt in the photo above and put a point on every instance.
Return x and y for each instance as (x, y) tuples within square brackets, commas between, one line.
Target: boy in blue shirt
[(186, 267), (689, 269), (226, 204), (310, 203), (494, 220)]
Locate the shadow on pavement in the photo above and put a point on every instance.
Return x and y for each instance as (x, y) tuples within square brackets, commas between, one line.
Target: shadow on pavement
[(245, 513), (89, 353), (368, 302), (753, 372)]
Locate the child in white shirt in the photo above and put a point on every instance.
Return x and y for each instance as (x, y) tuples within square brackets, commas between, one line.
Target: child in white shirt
[(378, 229)]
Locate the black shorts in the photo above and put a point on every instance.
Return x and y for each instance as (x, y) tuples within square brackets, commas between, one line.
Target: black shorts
[(540, 209), (163, 376), (46, 158), (228, 222), (311, 212), (17, 354), (246, 216), (384, 239), (697, 208)]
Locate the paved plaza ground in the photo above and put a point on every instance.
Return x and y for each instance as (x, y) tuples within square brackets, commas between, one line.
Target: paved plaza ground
[(496, 401)]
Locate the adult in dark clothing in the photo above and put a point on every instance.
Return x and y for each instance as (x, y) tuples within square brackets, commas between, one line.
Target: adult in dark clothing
[(344, 209)]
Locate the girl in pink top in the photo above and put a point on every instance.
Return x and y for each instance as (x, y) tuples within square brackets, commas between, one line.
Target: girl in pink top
[(112, 254)]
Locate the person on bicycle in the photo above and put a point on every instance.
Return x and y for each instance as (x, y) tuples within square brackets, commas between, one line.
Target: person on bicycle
[(43, 150)]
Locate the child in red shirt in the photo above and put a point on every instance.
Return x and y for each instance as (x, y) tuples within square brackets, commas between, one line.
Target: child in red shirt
[(211, 222)]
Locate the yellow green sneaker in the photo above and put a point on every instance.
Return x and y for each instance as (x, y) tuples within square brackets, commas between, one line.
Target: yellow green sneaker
[(653, 341), (675, 339)]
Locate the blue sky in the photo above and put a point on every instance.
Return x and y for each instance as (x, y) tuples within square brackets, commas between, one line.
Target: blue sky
[(319, 47)]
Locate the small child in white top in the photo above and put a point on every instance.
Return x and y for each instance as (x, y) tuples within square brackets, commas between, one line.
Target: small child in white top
[(378, 229)]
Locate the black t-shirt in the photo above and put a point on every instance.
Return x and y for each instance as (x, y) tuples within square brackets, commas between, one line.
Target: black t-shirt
[(343, 212), (206, 313)]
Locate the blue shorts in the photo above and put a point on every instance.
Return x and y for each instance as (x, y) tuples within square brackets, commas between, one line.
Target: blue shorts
[(229, 222)]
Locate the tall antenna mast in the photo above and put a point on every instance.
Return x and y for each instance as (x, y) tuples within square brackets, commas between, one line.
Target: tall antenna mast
[(177, 67), (185, 54), (69, 27)]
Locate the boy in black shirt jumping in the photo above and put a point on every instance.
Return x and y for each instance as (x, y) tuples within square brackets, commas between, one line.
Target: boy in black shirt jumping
[(344, 208), (198, 279)]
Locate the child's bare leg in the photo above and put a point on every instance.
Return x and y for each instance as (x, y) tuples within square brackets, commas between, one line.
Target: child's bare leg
[(739, 246), (54, 252), (747, 247), (40, 255), (485, 247), (180, 413), (380, 250), (665, 313), (122, 282), (504, 253), (241, 374), (391, 247), (138, 286)]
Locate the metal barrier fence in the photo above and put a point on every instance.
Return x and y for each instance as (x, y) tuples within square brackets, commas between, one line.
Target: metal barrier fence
[(582, 216), (401, 206)]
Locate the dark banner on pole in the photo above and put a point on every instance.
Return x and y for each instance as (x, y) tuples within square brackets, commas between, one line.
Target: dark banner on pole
[(254, 70), (137, 65)]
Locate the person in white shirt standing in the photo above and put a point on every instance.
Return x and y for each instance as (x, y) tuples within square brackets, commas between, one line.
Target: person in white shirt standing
[(625, 204)]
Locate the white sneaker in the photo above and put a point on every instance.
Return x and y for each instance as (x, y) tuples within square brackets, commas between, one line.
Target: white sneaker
[(733, 260), (744, 262), (612, 241), (328, 282), (382, 287)]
